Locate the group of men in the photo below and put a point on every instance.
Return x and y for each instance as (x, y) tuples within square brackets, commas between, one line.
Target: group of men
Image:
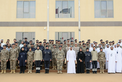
[(106, 54)]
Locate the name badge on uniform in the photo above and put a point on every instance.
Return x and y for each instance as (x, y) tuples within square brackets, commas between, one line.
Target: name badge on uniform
[(21, 56)]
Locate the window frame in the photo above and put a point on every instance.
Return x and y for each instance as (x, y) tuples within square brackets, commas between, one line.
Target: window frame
[(67, 7), (23, 9), (106, 9)]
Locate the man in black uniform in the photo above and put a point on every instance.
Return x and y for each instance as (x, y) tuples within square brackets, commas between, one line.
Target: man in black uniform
[(26, 41), (41, 47), (87, 60), (47, 57)]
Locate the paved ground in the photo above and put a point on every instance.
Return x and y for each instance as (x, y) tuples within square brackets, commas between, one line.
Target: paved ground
[(53, 77)]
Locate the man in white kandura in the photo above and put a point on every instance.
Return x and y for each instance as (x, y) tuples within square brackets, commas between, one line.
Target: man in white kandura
[(111, 59), (119, 59), (71, 59)]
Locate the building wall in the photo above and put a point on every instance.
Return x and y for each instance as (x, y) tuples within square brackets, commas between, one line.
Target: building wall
[(8, 14)]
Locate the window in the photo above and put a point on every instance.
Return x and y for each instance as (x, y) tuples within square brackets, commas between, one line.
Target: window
[(103, 8), (64, 9), (25, 9)]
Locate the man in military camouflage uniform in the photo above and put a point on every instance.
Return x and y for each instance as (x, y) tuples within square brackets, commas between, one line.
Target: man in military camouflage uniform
[(18, 49), (13, 57), (4, 55), (101, 58), (30, 58), (60, 58), (54, 52)]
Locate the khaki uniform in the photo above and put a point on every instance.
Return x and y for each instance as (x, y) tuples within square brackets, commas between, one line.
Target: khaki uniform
[(29, 45), (30, 58), (60, 57), (76, 49), (84, 49), (101, 58), (13, 56), (4, 55), (103, 47), (18, 49), (54, 52)]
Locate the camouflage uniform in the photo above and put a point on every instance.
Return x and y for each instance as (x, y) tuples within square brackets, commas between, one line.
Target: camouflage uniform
[(30, 58), (13, 56), (4, 55), (60, 57), (54, 52), (101, 58), (18, 49)]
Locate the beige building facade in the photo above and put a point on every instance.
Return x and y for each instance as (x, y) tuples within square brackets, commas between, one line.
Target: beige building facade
[(97, 22)]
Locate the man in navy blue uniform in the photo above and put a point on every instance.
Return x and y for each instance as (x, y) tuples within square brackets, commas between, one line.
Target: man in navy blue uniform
[(47, 57), (26, 50), (41, 47), (26, 41), (25, 47), (87, 60)]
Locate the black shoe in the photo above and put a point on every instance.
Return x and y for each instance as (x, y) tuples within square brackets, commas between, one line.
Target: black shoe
[(93, 71), (88, 71), (45, 70), (40, 67)]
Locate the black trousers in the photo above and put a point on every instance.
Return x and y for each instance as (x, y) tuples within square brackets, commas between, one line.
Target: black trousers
[(37, 66), (22, 69), (8, 64), (87, 65), (94, 66), (47, 64)]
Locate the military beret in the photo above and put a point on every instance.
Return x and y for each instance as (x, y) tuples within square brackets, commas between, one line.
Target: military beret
[(88, 39), (101, 40), (52, 40), (64, 40), (61, 43), (54, 45), (75, 39), (82, 40), (47, 43), (67, 39), (58, 40), (47, 46), (40, 42), (101, 48), (106, 40), (84, 44), (25, 37), (60, 46), (13, 44), (87, 48), (79, 41), (44, 42), (16, 42), (71, 41), (44, 39)]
